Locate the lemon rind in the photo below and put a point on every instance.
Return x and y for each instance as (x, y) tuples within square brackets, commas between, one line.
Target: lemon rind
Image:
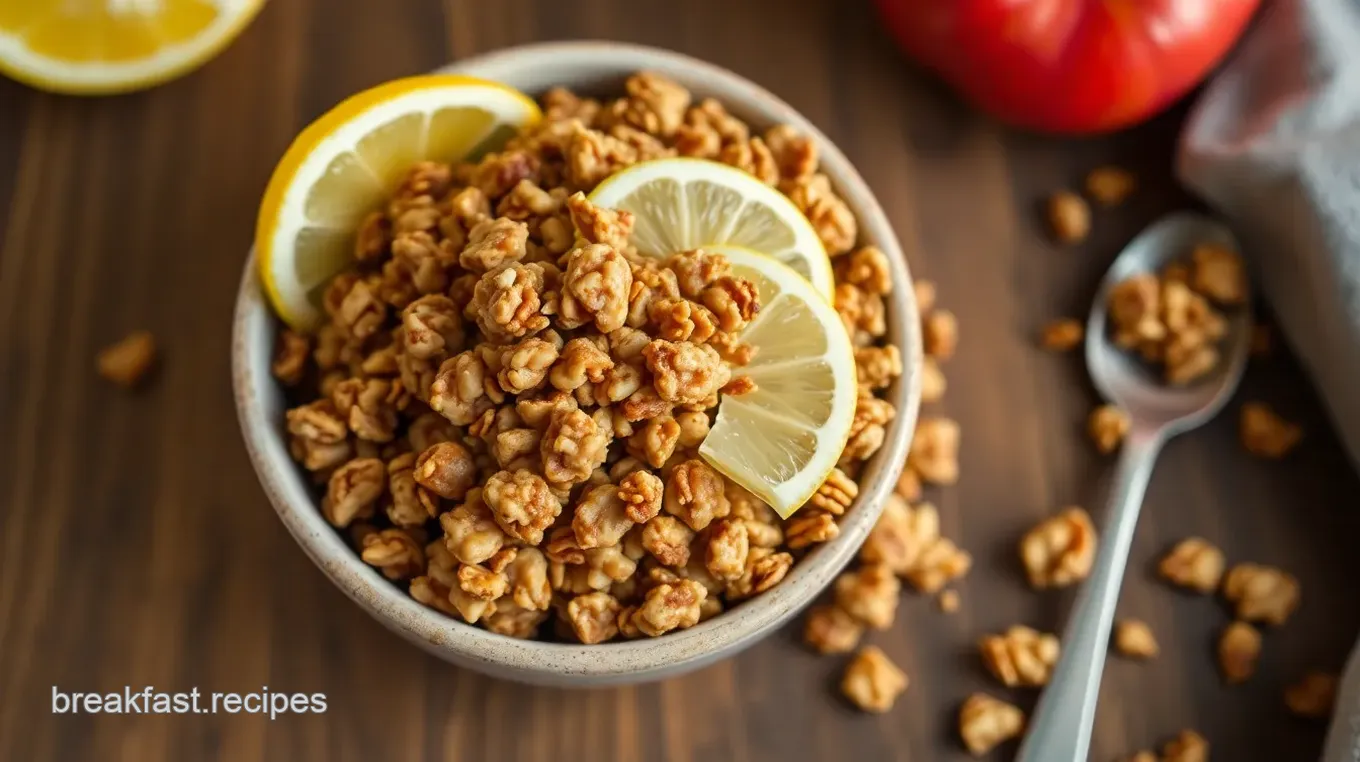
[(21, 63)]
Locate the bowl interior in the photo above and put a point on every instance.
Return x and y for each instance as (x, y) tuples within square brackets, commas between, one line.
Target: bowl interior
[(592, 68)]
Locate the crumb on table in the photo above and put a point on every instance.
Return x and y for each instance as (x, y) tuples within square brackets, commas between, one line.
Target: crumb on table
[(128, 361)]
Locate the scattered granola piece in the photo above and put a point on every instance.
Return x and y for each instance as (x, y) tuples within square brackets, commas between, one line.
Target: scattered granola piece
[(901, 534), (934, 455), (128, 361), (1109, 185), (872, 682), (1020, 657), (1069, 217), (940, 332), (948, 601), (1261, 593), (1313, 696), (933, 382), (1239, 648), (869, 595), (908, 484), (1189, 746), (1195, 564), (1060, 550), (925, 296), (985, 722), (1107, 427), (940, 563), (1133, 638), (1265, 434), (1062, 335), (830, 630)]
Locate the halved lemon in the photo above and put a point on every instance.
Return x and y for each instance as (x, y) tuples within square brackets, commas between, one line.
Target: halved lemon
[(345, 164), (683, 204), (782, 440), (90, 47)]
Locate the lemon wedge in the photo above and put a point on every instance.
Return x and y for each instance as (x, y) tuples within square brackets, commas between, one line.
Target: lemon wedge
[(345, 164), (90, 47), (782, 440), (683, 204)]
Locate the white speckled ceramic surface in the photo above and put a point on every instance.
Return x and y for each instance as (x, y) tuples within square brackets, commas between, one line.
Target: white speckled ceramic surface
[(591, 67)]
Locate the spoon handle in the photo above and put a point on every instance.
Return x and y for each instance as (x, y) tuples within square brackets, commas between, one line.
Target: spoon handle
[(1060, 730)]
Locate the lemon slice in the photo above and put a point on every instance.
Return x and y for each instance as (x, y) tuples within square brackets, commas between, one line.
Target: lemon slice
[(782, 440), (345, 164), (89, 47), (683, 204)]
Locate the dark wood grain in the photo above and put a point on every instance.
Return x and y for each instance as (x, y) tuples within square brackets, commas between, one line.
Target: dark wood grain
[(137, 549)]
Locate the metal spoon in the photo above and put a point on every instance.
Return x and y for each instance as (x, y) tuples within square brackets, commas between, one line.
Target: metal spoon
[(1060, 730)]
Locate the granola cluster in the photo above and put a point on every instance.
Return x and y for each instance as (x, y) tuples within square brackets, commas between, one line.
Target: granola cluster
[(505, 405), (1172, 318)]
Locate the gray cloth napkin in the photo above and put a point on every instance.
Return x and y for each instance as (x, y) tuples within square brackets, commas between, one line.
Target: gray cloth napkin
[(1274, 144)]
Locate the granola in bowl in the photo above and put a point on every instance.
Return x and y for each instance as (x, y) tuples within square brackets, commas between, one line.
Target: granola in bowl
[(503, 409)]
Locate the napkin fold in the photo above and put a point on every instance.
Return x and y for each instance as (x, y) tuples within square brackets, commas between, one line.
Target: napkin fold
[(1274, 144)]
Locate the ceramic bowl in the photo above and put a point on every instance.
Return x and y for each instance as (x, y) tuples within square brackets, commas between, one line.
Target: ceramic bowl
[(600, 68)]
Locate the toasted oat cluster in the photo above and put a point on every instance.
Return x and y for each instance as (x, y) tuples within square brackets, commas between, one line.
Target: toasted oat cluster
[(1172, 318), (1239, 648), (1021, 656), (1261, 593), (1194, 564), (505, 406), (128, 361), (1069, 217), (1312, 696), (1189, 746), (985, 722), (1059, 551), (1134, 639), (1107, 427), (872, 681), (1265, 434)]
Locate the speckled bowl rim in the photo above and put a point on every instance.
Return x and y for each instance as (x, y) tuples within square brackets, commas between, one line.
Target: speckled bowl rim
[(587, 64)]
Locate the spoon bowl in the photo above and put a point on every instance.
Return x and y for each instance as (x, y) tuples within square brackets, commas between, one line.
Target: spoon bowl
[(1061, 727), (1122, 377)]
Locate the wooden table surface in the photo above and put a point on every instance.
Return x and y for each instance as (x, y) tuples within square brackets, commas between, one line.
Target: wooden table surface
[(137, 548)]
